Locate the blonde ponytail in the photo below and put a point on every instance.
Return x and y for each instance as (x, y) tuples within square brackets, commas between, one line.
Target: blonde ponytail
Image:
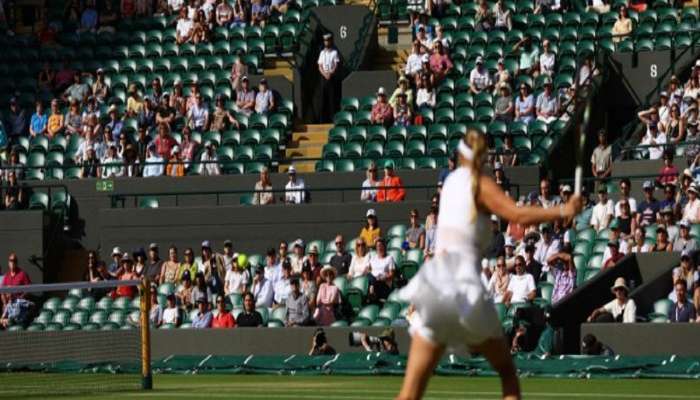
[(477, 143)]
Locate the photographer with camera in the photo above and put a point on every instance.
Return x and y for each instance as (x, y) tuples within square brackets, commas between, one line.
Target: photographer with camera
[(384, 343), (319, 344)]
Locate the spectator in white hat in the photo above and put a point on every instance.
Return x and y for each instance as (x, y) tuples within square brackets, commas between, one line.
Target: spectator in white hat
[(154, 163), (382, 112), (295, 189), (328, 62), (297, 257), (116, 263), (691, 211), (620, 309), (371, 231), (547, 105), (649, 207), (479, 77), (176, 167), (684, 242)]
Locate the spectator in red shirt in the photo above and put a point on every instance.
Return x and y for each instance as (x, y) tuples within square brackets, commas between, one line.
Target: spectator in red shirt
[(391, 187), (669, 172), (15, 277), (164, 142), (382, 112), (615, 254), (223, 318), (127, 275)]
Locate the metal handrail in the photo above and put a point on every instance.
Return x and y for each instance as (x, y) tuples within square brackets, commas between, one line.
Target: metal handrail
[(120, 199)]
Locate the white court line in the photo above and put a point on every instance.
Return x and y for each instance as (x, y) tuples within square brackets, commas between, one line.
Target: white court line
[(250, 392)]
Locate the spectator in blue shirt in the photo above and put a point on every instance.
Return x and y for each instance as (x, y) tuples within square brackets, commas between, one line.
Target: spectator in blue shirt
[(649, 207), (39, 120), (15, 121), (115, 124), (203, 317), (88, 21)]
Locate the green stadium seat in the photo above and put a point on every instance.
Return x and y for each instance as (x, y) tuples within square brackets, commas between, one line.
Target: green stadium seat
[(148, 202)]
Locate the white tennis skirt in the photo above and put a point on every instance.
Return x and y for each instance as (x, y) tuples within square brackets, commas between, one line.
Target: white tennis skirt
[(452, 307)]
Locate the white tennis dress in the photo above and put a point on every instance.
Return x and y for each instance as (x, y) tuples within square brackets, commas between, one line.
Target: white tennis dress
[(452, 305)]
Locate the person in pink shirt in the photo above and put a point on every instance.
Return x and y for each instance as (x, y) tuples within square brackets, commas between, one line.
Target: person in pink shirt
[(164, 142), (669, 172), (188, 144), (382, 112), (327, 299), (440, 62)]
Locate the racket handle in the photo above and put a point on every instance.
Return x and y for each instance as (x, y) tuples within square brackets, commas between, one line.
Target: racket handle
[(578, 176)]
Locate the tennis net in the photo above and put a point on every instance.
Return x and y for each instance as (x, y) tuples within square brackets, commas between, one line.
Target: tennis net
[(73, 338)]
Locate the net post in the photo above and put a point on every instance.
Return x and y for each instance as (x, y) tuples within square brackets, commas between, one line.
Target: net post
[(146, 377)]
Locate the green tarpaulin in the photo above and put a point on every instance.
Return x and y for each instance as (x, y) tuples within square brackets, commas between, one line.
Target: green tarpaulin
[(380, 364)]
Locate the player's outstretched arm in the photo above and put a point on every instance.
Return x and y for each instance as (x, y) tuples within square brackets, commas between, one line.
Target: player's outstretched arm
[(494, 200)]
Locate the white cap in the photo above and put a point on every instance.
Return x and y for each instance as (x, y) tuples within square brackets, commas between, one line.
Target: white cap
[(494, 218), (479, 60), (426, 58), (176, 149), (206, 244), (116, 250), (381, 90), (291, 170), (509, 242), (566, 188), (684, 223), (371, 213), (697, 63)]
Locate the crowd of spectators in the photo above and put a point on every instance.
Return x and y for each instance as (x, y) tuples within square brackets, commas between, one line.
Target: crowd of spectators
[(140, 140), (291, 276), (195, 20), (673, 121)]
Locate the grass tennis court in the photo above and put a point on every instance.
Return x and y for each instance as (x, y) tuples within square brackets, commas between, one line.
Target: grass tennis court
[(383, 387)]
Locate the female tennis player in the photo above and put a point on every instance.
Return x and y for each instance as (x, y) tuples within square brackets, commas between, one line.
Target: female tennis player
[(452, 306)]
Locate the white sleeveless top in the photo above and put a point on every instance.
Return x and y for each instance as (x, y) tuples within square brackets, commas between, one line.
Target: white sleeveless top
[(456, 232)]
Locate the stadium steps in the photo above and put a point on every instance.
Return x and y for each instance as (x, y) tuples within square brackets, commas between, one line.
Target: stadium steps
[(307, 142), (279, 67), (358, 3)]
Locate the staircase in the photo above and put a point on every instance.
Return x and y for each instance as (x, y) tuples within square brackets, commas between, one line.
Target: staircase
[(307, 142)]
